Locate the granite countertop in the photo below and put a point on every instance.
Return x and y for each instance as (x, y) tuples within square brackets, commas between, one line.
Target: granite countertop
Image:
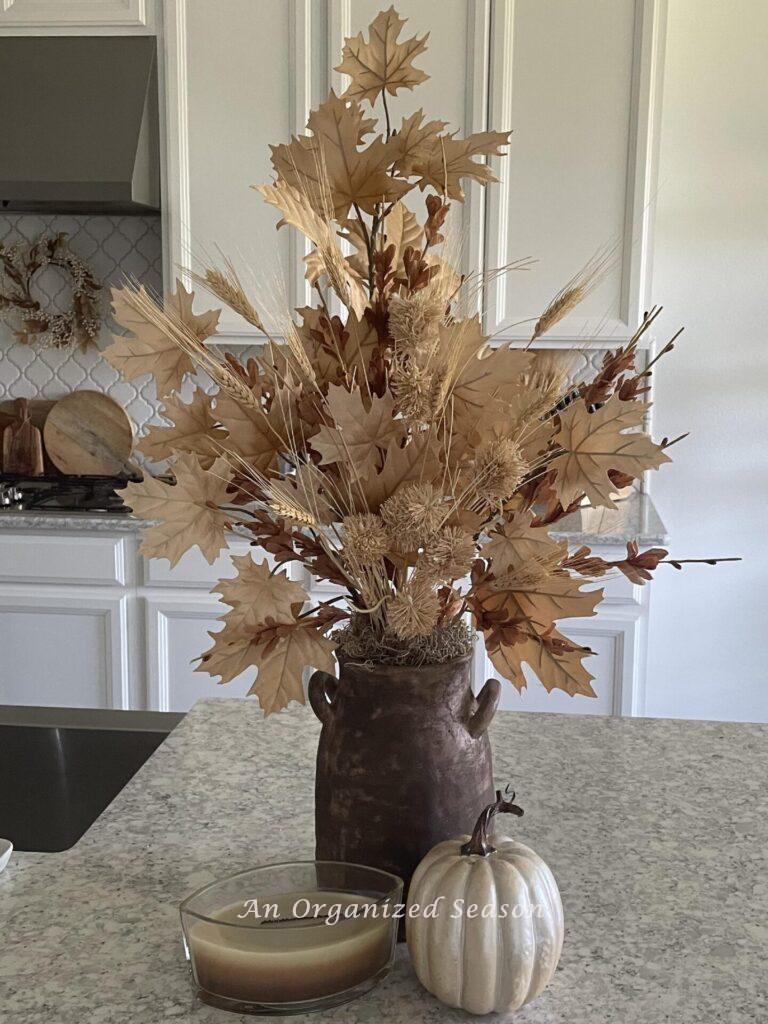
[(635, 518), (66, 522), (656, 830)]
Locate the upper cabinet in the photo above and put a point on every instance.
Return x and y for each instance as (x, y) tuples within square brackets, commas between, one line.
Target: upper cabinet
[(578, 85), (77, 17)]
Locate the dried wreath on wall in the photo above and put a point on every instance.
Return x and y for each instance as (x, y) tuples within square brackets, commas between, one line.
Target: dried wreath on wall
[(31, 323), (425, 466)]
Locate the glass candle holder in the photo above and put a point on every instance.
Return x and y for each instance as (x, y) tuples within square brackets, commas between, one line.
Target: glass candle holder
[(291, 938)]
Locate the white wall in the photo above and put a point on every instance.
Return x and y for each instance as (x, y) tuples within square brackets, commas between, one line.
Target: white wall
[(708, 649)]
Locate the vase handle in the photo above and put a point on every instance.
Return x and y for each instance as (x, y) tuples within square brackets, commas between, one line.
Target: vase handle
[(487, 702), (321, 691)]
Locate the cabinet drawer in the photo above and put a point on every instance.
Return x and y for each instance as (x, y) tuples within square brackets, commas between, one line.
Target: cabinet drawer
[(71, 558)]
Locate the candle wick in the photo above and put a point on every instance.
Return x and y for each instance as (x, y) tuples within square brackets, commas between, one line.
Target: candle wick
[(283, 920)]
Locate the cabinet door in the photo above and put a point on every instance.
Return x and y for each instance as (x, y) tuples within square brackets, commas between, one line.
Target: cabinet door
[(455, 91), (235, 95), (77, 17), (617, 641), (177, 634), (577, 83), (63, 650)]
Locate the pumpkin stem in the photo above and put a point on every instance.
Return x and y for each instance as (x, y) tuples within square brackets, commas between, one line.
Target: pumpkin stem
[(479, 843)]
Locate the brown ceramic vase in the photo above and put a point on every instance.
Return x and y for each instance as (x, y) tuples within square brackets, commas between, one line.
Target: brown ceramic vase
[(403, 761)]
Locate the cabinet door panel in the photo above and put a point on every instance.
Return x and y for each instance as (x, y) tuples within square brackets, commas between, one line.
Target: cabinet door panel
[(575, 82), (616, 666), (77, 16), (177, 634), (63, 651), (239, 100)]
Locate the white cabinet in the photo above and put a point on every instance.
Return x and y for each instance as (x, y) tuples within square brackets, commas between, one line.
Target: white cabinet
[(177, 634), (85, 621), (64, 648), (578, 83), (77, 17)]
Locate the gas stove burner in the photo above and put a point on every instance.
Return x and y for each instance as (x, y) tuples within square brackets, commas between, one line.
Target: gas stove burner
[(61, 494)]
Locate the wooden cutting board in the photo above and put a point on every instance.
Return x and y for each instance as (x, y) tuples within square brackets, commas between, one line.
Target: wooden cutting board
[(88, 433), (22, 443)]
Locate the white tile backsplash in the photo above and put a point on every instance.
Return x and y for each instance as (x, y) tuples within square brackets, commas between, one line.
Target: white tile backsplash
[(115, 247)]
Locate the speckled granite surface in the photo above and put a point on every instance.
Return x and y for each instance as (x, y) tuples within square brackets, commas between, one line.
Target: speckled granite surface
[(66, 522), (657, 832), (635, 518)]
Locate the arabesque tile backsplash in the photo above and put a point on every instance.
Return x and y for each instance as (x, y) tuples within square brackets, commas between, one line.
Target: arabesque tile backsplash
[(114, 247)]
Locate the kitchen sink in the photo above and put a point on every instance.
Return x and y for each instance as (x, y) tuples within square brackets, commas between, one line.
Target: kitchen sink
[(61, 767)]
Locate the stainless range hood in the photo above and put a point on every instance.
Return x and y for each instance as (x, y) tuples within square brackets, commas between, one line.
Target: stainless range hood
[(79, 129)]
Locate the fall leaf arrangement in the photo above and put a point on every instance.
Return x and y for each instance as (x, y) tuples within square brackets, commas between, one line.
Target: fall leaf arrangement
[(388, 448)]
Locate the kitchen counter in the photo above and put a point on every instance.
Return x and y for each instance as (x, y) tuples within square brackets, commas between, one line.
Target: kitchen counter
[(657, 832), (635, 518)]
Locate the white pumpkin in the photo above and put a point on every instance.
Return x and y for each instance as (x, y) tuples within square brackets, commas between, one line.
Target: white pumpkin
[(485, 920)]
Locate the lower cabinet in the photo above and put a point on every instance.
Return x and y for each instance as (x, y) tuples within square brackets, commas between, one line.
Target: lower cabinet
[(85, 621)]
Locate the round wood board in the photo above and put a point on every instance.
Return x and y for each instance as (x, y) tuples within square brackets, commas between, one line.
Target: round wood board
[(88, 433)]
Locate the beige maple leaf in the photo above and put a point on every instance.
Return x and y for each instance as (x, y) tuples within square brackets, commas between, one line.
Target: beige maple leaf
[(595, 443), (330, 169), (188, 511), (563, 671), (192, 429), (382, 63), (281, 667), (417, 460), (414, 142), (516, 542), (256, 594), (451, 160), (280, 662), (253, 433), (482, 378), (150, 350), (359, 429)]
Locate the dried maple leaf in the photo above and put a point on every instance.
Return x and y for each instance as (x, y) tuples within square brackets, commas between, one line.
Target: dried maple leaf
[(414, 141), (417, 460), (149, 350), (451, 160), (556, 663), (282, 664), (594, 444), (256, 435), (359, 430), (255, 595), (192, 429), (189, 511), (330, 169), (515, 542), (280, 659), (381, 64), (483, 379)]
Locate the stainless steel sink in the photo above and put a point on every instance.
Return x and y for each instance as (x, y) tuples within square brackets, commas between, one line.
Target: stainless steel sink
[(60, 767)]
